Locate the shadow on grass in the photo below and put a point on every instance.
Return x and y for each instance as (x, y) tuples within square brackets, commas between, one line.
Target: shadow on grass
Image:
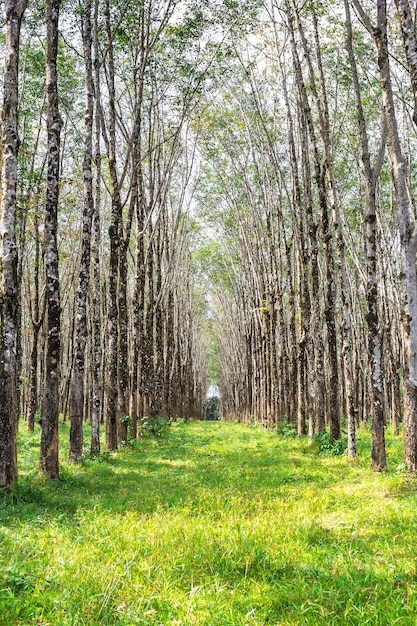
[(217, 459)]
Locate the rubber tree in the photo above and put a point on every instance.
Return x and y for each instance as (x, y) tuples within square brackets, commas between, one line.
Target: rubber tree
[(407, 229), (8, 251), (81, 331), (49, 464)]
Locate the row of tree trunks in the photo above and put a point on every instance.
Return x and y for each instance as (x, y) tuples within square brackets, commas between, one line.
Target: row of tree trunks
[(122, 354), (335, 377), (308, 306)]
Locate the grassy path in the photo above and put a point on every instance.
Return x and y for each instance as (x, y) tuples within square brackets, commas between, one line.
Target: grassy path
[(214, 524)]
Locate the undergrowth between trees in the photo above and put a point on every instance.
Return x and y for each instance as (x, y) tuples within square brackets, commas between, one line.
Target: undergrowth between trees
[(210, 524)]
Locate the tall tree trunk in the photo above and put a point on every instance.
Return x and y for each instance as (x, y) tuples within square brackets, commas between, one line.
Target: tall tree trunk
[(408, 239), (95, 253), (408, 29), (378, 454), (317, 417), (81, 330), (147, 362), (49, 437), (123, 364), (136, 400), (9, 411), (303, 290), (37, 313), (115, 237), (159, 326)]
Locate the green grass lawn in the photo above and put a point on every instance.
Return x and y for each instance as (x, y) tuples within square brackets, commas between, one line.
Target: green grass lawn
[(214, 524)]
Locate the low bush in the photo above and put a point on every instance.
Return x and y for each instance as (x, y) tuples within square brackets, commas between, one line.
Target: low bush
[(331, 448), (153, 426)]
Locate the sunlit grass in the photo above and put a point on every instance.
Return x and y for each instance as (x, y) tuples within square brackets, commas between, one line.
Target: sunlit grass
[(214, 524)]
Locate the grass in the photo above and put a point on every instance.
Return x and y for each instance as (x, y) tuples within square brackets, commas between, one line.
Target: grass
[(214, 524)]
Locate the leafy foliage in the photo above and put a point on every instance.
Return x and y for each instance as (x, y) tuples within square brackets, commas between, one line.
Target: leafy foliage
[(153, 426), (286, 429), (331, 448), (213, 409)]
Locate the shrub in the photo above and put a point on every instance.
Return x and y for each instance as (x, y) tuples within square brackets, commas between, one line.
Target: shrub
[(334, 448), (126, 420), (286, 429), (153, 426)]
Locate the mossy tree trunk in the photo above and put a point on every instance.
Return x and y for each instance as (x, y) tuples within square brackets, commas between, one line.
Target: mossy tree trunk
[(9, 410), (49, 465), (81, 329), (371, 175)]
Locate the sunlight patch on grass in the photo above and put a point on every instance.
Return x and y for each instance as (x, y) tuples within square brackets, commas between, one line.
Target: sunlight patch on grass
[(177, 462)]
